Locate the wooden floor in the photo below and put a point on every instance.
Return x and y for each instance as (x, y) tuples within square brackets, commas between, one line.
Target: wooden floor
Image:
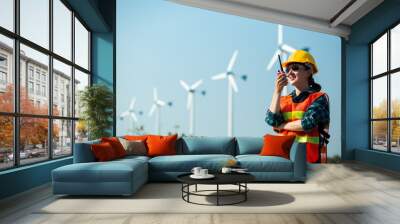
[(354, 182)]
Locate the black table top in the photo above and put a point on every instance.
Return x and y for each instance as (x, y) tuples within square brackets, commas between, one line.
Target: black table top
[(220, 178)]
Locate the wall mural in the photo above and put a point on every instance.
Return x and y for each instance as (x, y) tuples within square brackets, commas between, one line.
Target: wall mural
[(195, 72)]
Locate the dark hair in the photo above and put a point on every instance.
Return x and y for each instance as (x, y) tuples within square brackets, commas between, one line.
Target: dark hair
[(313, 85)]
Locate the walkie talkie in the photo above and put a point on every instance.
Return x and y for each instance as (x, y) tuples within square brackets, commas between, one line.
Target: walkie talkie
[(280, 62)]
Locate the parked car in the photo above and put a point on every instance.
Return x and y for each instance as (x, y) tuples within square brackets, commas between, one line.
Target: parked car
[(22, 155)]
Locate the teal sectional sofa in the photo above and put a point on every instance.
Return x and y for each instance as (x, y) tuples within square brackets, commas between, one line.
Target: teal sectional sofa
[(125, 176)]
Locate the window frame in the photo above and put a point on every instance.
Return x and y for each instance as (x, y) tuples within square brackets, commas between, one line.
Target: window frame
[(16, 114), (388, 74)]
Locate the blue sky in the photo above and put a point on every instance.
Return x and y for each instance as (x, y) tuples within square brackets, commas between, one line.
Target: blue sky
[(159, 43)]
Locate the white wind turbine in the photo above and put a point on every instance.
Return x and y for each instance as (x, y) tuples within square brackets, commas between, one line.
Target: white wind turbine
[(190, 101), (283, 50), (231, 86), (157, 104), (131, 113)]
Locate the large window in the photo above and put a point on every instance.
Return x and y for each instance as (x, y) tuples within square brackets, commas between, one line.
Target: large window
[(44, 64), (385, 95)]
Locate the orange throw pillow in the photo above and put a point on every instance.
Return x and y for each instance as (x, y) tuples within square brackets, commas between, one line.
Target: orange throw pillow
[(116, 145), (135, 137), (161, 145), (277, 145), (103, 152)]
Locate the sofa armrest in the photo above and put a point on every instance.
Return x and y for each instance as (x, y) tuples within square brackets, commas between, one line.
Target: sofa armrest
[(298, 157), (83, 152)]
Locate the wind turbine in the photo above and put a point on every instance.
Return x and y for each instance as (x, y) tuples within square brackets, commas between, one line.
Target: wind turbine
[(190, 101), (157, 104), (229, 75), (283, 50), (131, 113)]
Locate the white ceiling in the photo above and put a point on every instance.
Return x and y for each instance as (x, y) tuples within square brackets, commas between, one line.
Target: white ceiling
[(327, 16)]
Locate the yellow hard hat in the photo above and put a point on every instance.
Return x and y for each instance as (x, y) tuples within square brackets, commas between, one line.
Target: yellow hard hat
[(301, 56)]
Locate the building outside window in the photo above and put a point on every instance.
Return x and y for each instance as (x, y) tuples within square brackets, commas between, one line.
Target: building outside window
[(3, 71), (3, 78), (37, 75), (3, 61), (38, 89), (44, 77), (30, 72), (30, 87), (43, 90), (385, 97), (55, 97)]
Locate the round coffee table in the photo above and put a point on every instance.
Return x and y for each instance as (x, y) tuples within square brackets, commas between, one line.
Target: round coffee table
[(238, 179)]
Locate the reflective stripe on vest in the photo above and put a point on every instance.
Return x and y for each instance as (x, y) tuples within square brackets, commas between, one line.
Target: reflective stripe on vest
[(307, 139), (293, 115)]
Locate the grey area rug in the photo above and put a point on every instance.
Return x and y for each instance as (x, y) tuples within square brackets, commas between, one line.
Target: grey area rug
[(166, 198)]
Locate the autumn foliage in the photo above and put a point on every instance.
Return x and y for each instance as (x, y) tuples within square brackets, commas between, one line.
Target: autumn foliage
[(380, 127), (33, 131)]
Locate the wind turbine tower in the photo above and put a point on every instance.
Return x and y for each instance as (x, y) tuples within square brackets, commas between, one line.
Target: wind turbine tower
[(190, 102), (229, 75), (131, 113), (155, 108)]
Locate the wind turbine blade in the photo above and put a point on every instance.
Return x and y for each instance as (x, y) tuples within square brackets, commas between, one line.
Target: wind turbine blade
[(196, 84), (219, 76), (273, 59), (288, 48), (131, 106), (184, 85), (232, 61), (232, 83), (124, 114), (189, 100), (153, 108), (280, 34), (160, 102), (134, 117), (155, 97)]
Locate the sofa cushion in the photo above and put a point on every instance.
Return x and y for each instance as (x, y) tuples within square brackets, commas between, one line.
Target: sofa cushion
[(277, 145), (257, 163), (135, 137), (185, 163), (131, 158), (248, 145), (111, 171), (161, 145), (207, 145), (134, 147), (116, 145), (103, 152)]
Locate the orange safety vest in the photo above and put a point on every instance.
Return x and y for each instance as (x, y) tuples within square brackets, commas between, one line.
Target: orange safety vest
[(295, 111)]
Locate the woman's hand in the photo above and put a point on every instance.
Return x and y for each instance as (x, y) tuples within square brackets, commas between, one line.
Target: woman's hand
[(290, 126), (281, 127), (280, 82)]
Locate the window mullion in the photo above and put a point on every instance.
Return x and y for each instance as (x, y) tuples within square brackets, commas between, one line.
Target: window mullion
[(371, 89), (16, 83), (389, 106), (73, 82), (50, 81)]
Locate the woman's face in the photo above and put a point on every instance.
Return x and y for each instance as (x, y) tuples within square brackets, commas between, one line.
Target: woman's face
[(297, 74)]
